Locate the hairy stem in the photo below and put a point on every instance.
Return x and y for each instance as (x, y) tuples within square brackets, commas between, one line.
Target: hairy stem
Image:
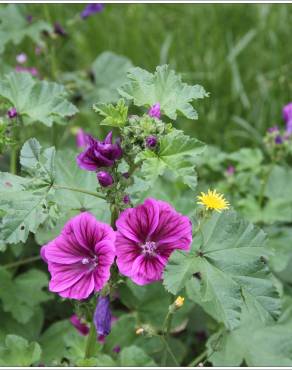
[(91, 342), (94, 194), (22, 262), (198, 359), (167, 326)]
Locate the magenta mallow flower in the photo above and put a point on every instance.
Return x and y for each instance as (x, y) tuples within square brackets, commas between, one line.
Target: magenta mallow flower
[(98, 154), (102, 316), (21, 58), (82, 327), (154, 111), (146, 237), (91, 9), (79, 259), (151, 141), (104, 178), (12, 112)]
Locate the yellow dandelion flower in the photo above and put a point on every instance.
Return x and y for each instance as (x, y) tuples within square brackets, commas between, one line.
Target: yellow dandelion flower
[(179, 302), (213, 200)]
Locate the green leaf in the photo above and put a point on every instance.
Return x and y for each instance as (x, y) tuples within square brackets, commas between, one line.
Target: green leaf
[(99, 360), (254, 342), (17, 351), (177, 154), (247, 159), (110, 73), (277, 186), (26, 203), (14, 27), (40, 101), (135, 356), (115, 116), (227, 261), (163, 87), (22, 295)]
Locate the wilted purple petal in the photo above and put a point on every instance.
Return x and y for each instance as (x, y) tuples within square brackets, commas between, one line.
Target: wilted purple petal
[(81, 327), (154, 111)]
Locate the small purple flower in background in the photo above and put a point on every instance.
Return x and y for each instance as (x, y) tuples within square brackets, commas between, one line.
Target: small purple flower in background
[(99, 154), (80, 258), (273, 129), (91, 9), (103, 316), (278, 140), (151, 141), (80, 326), (154, 111), (32, 70), (145, 238), (126, 199), (59, 30), (21, 58), (104, 178), (29, 18), (12, 113), (38, 50), (230, 170)]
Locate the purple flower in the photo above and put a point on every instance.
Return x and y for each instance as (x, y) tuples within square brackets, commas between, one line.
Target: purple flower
[(104, 178), (273, 129), (91, 9), (146, 236), (151, 141), (103, 316), (154, 111), (12, 112), (117, 349), (59, 30), (126, 199), (32, 70), (21, 58), (99, 154), (38, 50), (287, 112), (82, 138), (278, 139), (79, 325), (29, 18), (230, 170), (289, 128), (79, 259)]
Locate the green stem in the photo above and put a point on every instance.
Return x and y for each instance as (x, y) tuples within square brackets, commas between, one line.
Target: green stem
[(52, 50), (13, 161), (97, 195), (198, 359), (91, 342), (22, 262), (167, 326), (264, 184)]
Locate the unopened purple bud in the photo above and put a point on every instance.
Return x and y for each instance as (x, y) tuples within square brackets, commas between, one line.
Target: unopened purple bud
[(104, 178), (80, 326), (278, 140), (126, 175), (126, 199), (273, 129), (287, 112), (91, 9), (59, 30), (102, 316), (12, 113), (154, 111), (151, 141), (230, 170), (117, 349), (21, 58)]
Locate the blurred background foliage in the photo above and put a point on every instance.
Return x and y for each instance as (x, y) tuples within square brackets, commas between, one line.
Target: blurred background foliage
[(239, 52)]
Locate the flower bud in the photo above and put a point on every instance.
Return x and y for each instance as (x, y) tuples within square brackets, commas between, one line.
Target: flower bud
[(151, 141), (12, 113), (278, 140), (104, 178), (102, 316), (230, 170), (126, 199), (154, 111), (178, 303)]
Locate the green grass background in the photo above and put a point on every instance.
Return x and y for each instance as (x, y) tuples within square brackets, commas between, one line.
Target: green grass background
[(240, 53)]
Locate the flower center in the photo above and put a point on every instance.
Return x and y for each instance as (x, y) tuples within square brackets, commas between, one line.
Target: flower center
[(149, 248), (91, 262)]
